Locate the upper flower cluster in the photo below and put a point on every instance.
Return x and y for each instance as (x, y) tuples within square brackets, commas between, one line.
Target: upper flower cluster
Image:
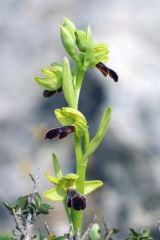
[(85, 53)]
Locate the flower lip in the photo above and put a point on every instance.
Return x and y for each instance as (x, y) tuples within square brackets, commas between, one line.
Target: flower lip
[(47, 93), (78, 202), (75, 200), (60, 132), (107, 71)]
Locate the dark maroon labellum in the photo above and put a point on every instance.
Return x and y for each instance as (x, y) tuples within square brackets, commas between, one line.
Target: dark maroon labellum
[(60, 133), (107, 71), (75, 200), (78, 202), (47, 93)]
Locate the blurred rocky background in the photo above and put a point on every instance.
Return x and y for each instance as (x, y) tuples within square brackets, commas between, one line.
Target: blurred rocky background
[(128, 160)]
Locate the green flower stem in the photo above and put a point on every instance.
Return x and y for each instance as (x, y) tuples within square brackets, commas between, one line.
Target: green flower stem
[(78, 150), (68, 212), (79, 82), (86, 140), (81, 171), (77, 215)]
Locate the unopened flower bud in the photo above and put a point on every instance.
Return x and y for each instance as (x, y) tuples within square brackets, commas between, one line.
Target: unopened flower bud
[(81, 40)]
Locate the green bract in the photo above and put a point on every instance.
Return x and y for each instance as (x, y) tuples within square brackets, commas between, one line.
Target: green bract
[(53, 79), (71, 116), (103, 126), (68, 88)]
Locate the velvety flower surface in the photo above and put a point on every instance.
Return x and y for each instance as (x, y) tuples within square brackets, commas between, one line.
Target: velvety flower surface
[(60, 132), (107, 71), (47, 93), (75, 200)]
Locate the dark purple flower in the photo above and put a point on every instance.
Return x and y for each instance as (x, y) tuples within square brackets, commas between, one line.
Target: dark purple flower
[(47, 93), (75, 200), (60, 132), (107, 71)]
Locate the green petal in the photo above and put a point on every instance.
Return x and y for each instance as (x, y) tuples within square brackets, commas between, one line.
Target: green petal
[(55, 194), (52, 179), (90, 186)]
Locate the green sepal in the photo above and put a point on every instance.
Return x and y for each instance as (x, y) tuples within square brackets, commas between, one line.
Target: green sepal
[(56, 166), (100, 54), (89, 50), (70, 116), (81, 40), (90, 186), (53, 79), (68, 88), (96, 140), (55, 194)]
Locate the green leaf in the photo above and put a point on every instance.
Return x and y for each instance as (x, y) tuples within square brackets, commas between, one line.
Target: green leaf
[(44, 208), (37, 199), (9, 206), (60, 238), (94, 143), (22, 202), (6, 237), (94, 233), (68, 88), (90, 186), (56, 166), (70, 116)]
